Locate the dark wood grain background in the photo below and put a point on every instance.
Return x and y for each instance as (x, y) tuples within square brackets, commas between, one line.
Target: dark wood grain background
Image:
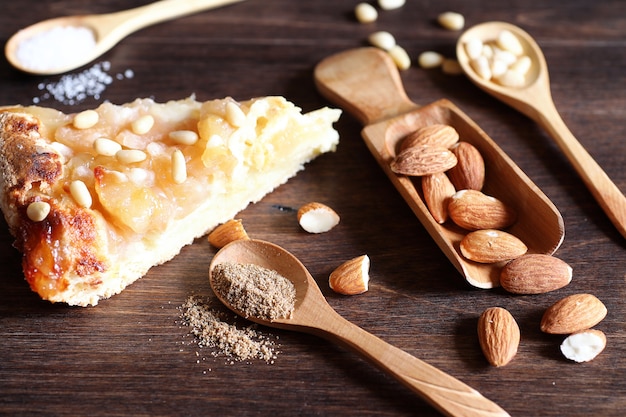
[(131, 356)]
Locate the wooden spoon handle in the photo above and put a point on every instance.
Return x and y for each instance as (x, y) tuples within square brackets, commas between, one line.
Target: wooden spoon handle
[(446, 393), (365, 82), (128, 21), (603, 189)]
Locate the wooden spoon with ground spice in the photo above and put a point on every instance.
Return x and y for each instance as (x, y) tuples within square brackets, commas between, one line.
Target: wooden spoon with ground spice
[(239, 265)]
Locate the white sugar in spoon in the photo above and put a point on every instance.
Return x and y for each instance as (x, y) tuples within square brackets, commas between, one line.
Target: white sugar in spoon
[(534, 99), (107, 30), (312, 314)]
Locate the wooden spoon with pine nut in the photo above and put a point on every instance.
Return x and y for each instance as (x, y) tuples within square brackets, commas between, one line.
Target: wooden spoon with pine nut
[(366, 82), (534, 99), (312, 314)]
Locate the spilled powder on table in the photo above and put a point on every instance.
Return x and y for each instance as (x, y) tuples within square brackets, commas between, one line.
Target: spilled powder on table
[(211, 330)]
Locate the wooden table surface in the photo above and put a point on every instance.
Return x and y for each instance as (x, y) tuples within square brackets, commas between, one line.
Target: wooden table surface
[(130, 355)]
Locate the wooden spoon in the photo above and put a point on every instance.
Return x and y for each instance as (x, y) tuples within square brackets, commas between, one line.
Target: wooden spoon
[(108, 29), (534, 100), (312, 314), (366, 82)]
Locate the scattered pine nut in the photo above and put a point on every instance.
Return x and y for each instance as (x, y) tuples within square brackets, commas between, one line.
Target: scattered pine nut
[(234, 115), (382, 39), (451, 67), (430, 59), (365, 13), (184, 137), (142, 125), (179, 167), (130, 156), (451, 20), (391, 4), (38, 211), (80, 193), (400, 57), (106, 147), (86, 119)]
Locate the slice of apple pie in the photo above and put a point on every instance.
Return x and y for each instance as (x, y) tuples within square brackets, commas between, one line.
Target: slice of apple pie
[(95, 199)]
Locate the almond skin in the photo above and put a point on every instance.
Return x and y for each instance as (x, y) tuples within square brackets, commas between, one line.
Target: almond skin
[(473, 210), (351, 277), (490, 246), (434, 135), (227, 232), (423, 160), (535, 274), (437, 190), (572, 314), (498, 335), (469, 172)]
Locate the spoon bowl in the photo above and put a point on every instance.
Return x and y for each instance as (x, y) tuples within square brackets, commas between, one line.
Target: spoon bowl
[(366, 82), (312, 314), (107, 29), (534, 99)]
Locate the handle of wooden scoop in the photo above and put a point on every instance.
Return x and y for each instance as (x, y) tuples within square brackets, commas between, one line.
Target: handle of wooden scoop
[(444, 392), (365, 82)]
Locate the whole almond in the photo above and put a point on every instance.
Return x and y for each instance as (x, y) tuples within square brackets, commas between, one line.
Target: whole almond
[(572, 314), (227, 232), (351, 277), (437, 190), (434, 135), (469, 172), (473, 210), (535, 274), (490, 245), (423, 160), (498, 335)]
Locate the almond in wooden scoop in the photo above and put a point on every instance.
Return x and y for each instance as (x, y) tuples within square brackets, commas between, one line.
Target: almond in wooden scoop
[(469, 172), (535, 274), (441, 135), (423, 160), (572, 314), (490, 246), (473, 210), (437, 190)]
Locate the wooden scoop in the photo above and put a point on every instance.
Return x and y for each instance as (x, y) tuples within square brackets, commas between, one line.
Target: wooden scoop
[(312, 314), (366, 83)]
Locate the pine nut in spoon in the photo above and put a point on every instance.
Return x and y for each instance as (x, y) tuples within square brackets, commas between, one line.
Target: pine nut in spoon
[(312, 314), (367, 84), (532, 97), (84, 38)]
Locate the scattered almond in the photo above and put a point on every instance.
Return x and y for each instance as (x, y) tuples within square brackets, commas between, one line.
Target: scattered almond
[(437, 190), (490, 246), (423, 160), (441, 135), (351, 277), (535, 274), (498, 335), (584, 345), (316, 217), (469, 172), (572, 314), (473, 210), (227, 232)]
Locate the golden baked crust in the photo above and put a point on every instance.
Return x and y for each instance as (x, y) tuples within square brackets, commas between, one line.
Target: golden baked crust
[(138, 215)]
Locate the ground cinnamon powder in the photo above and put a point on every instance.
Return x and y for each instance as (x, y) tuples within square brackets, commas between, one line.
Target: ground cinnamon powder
[(255, 291)]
